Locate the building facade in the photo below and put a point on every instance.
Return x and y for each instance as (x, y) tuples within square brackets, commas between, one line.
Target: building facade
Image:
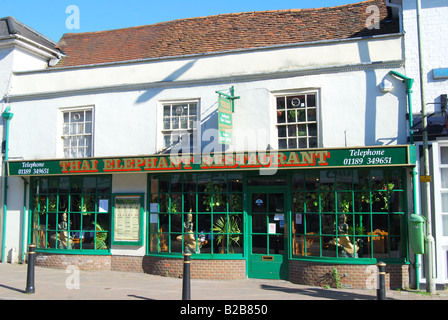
[(267, 144), (21, 48), (434, 69)]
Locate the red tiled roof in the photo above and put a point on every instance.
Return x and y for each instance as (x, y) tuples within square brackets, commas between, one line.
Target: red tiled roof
[(222, 33)]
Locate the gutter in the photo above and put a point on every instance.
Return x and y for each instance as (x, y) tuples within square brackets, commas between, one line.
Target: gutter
[(50, 52)]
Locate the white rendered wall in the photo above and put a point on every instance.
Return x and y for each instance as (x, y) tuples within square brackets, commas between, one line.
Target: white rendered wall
[(434, 29)]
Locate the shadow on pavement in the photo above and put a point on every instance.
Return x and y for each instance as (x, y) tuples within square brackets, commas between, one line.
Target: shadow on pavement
[(321, 293), (12, 289)]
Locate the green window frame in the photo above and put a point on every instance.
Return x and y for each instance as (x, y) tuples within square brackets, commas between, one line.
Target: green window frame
[(201, 213), (71, 214), (351, 215)]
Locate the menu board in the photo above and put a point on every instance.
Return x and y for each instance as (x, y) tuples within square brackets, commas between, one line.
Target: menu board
[(127, 215)]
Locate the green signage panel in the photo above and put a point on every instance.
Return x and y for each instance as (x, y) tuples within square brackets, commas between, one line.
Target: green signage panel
[(225, 124), (225, 119), (226, 105), (288, 159)]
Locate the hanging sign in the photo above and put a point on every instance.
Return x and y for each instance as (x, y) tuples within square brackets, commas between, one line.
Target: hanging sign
[(226, 108)]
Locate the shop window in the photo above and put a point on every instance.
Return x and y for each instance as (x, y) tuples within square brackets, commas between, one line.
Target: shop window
[(71, 213), (297, 123), (198, 213), (348, 213), (77, 133), (179, 124)]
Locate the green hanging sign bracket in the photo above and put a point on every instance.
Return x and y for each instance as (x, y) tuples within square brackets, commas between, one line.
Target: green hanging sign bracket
[(230, 96)]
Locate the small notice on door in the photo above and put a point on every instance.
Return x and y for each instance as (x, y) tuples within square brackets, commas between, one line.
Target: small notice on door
[(272, 228)]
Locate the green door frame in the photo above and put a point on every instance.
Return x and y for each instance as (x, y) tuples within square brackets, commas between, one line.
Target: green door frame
[(269, 262)]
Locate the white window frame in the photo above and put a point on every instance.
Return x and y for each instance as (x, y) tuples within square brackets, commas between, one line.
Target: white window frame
[(291, 93), (442, 190), (62, 134), (438, 232), (196, 130)]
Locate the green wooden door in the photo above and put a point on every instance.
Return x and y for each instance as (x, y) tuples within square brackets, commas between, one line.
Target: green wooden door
[(267, 227)]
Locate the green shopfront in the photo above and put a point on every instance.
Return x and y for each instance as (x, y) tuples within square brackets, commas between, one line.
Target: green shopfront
[(295, 215)]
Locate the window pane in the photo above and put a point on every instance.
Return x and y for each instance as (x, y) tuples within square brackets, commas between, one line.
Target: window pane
[(444, 202), (292, 131), (166, 124), (311, 115), (445, 225), (88, 127), (77, 116), (281, 103), (282, 131), (259, 244), (301, 116), (65, 129), (311, 100), (281, 116), (444, 177), (193, 109), (292, 143), (444, 155), (292, 116), (282, 144)]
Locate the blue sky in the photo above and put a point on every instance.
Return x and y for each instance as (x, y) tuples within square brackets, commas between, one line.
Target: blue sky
[(49, 17)]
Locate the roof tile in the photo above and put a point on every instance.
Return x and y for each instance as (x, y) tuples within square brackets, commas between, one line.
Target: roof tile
[(224, 32)]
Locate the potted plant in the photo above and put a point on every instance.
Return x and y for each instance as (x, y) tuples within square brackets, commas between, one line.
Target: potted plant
[(227, 229), (101, 236)]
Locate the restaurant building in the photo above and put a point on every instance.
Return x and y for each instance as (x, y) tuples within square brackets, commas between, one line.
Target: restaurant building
[(265, 143)]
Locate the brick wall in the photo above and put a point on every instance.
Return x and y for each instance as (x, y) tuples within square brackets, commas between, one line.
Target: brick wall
[(127, 264), (351, 276), (61, 261), (200, 269)]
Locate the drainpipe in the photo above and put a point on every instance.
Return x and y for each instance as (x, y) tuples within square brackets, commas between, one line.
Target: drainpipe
[(409, 82), (430, 249), (7, 115)]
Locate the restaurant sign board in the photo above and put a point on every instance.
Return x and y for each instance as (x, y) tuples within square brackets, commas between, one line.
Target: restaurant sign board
[(283, 159)]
